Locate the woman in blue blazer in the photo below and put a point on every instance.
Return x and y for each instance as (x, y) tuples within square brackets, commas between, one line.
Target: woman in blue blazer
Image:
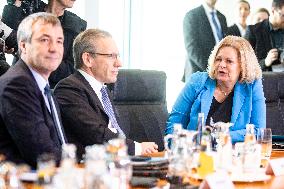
[(231, 91)]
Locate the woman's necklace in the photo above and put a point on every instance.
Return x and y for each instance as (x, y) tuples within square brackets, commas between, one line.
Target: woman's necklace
[(224, 92)]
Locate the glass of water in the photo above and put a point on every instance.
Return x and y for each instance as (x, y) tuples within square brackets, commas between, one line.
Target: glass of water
[(264, 138), (45, 168)]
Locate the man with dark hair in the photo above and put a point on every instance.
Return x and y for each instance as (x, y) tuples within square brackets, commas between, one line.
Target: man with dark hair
[(72, 25), (30, 123), (267, 37), (87, 110)]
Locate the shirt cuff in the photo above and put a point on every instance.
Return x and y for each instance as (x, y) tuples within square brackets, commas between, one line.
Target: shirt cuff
[(138, 148)]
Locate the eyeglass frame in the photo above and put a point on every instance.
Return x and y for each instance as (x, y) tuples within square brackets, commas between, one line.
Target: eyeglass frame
[(280, 14), (113, 56)]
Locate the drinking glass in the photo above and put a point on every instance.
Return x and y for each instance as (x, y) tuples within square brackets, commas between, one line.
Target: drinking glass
[(46, 168), (264, 138)]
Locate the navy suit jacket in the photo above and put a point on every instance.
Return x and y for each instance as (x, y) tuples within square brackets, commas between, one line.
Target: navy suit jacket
[(84, 119), (199, 39), (26, 126)]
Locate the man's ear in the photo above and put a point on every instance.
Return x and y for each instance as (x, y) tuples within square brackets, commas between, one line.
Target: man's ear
[(23, 47), (86, 57)]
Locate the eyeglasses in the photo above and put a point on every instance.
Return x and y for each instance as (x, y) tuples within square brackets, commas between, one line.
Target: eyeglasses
[(281, 14), (113, 56)]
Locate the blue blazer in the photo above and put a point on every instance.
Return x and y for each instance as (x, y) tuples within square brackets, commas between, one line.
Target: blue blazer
[(248, 105)]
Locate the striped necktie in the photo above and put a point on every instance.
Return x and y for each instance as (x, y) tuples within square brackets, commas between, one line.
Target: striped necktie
[(109, 110), (217, 28)]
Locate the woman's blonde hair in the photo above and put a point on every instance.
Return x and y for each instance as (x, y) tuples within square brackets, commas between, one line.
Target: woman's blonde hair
[(250, 68)]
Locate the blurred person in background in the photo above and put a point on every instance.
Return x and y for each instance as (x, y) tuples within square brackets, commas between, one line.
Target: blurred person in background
[(239, 28), (8, 44), (260, 15), (203, 28), (267, 38), (4, 66)]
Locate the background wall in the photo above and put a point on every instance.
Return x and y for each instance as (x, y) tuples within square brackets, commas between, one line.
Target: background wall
[(227, 8)]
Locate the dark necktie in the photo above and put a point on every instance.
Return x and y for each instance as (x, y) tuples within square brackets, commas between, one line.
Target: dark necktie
[(56, 122), (217, 28), (109, 110)]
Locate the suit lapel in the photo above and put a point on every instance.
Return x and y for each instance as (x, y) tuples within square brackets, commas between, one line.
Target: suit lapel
[(267, 40), (238, 32), (59, 115), (47, 115), (239, 97), (222, 22), (205, 23), (90, 90), (207, 96)]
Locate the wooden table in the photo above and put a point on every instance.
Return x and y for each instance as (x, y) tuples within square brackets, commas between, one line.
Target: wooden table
[(273, 183)]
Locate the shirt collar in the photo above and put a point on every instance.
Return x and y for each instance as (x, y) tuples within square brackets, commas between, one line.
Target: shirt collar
[(208, 9), (241, 29), (41, 82), (95, 84)]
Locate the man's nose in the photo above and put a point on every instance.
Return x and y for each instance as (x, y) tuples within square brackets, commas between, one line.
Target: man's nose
[(118, 62)]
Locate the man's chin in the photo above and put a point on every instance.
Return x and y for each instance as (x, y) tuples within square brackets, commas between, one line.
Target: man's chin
[(53, 68), (113, 80)]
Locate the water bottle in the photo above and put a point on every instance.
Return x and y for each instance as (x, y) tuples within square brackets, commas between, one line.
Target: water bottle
[(68, 176), (252, 151), (96, 171), (200, 128), (119, 163)]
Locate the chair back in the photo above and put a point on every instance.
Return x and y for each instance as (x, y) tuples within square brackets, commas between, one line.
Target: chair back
[(140, 102)]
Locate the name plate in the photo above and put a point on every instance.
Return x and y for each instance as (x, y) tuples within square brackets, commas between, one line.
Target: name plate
[(217, 181), (276, 167)]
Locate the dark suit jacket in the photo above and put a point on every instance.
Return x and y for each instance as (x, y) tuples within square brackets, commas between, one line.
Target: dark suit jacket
[(26, 126), (261, 41), (199, 39), (83, 116), (234, 30), (4, 66)]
